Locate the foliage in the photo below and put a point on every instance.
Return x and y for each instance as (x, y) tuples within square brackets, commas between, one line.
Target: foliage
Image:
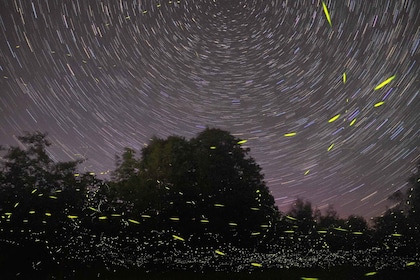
[(36, 197), (207, 192), (413, 196), (207, 185)]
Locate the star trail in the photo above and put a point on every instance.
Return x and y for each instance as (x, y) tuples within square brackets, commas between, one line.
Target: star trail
[(326, 93)]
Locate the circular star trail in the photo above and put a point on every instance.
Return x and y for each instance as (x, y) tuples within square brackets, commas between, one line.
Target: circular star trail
[(329, 109)]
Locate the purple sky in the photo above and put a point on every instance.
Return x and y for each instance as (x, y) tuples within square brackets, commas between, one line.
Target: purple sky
[(102, 75)]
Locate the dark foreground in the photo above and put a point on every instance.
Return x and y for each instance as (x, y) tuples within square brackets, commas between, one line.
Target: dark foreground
[(32, 263), (342, 273)]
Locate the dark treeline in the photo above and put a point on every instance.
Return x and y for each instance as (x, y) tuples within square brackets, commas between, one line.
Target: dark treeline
[(174, 194)]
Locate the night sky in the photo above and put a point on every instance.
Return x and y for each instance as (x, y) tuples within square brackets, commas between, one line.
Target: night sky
[(102, 75)]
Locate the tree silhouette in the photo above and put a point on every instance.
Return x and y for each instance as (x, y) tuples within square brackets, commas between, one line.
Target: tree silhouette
[(36, 196), (301, 229), (330, 219), (229, 176), (359, 232), (302, 211), (127, 166), (207, 186), (413, 196), (398, 229)]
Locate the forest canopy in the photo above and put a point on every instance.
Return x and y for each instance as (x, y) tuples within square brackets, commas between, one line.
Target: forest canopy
[(174, 194)]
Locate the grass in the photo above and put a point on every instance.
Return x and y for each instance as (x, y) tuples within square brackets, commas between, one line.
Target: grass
[(342, 273)]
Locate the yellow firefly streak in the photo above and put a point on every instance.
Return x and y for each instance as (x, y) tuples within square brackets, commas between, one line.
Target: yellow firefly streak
[(48, 214), (116, 215), (213, 147), (16, 204), (334, 118), (384, 83), (176, 237), (93, 209), (308, 278), (327, 14), (233, 224), (290, 134), (256, 264), (410, 263), (146, 216), (344, 78), (34, 191), (133, 221), (371, 273), (379, 104), (174, 219), (291, 218), (307, 172), (218, 205), (72, 216), (103, 217), (53, 197), (219, 253), (289, 231), (352, 122), (242, 142), (330, 147)]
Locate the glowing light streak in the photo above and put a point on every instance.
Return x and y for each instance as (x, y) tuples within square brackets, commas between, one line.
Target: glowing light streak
[(290, 134), (220, 253), (384, 83), (379, 104), (327, 14), (334, 118), (176, 237)]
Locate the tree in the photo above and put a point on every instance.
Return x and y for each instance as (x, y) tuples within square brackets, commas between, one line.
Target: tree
[(302, 211), (330, 219), (208, 185), (30, 179), (359, 233), (413, 196), (356, 223), (127, 166), (227, 175), (399, 226), (36, 196)]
